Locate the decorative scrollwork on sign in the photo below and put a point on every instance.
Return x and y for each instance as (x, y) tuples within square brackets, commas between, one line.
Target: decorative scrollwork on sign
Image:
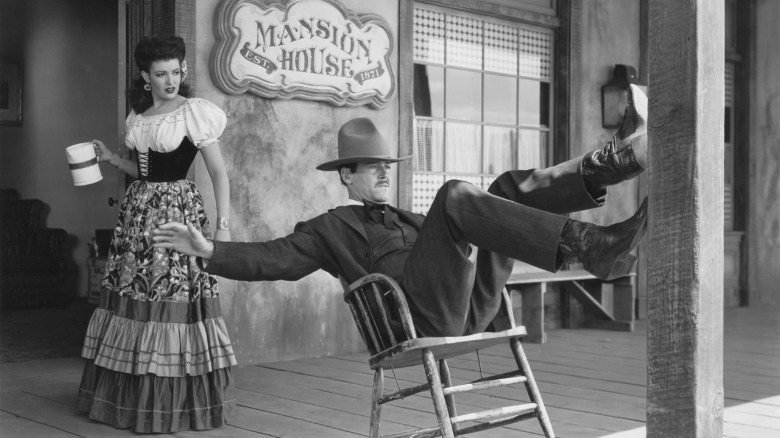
[(309, 49)]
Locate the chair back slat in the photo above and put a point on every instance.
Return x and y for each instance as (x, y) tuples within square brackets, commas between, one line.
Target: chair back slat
[(368, 322), (380, 312), (360, 325), (383, 313)]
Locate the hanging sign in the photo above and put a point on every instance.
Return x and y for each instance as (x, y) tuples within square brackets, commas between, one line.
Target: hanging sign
[(309, 49)]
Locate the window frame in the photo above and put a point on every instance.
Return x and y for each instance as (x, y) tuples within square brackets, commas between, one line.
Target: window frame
[(565, 36)]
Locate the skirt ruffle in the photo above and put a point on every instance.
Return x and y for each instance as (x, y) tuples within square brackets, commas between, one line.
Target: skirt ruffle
[(188, 345), (158, 352), (164, 349), (153, 404)]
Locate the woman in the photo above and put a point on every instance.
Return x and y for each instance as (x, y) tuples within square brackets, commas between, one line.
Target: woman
[(158, 353)]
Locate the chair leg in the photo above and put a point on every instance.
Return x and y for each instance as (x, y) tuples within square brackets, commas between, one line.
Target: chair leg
[(432, 374), (446, 381), (376, 408), (530, 386)]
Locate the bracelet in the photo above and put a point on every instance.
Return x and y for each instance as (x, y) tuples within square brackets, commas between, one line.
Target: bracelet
[(223, 223), (114, 160)]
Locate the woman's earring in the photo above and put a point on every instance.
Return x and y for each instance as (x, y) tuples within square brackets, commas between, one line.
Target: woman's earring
[(147, 87)]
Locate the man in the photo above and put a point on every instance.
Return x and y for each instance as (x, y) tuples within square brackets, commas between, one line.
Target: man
[(521, 216)]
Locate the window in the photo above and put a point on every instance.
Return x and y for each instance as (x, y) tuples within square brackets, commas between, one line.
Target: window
[(482, 99), (730, 131), (728, 143)]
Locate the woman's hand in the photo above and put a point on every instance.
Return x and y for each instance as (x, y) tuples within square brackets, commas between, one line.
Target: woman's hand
[(183, 238), (222, 235), (102, 151)]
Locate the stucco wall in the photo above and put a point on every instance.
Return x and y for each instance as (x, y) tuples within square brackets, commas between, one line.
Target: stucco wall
[(609, 35), (69, 96), (271, 148), (764, 222)]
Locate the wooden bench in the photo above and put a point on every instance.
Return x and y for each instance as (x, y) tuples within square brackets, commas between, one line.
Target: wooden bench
[(609, 304)]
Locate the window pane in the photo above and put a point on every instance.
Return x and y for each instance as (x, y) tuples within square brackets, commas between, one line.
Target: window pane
[(500, 101), (463, 153), (535, 54), (428, 145), (464, 95), (425, 187), (500, 48), (533, 99), (532, 148), (500, 150), (428, 91), (464, 42), (428, 36)]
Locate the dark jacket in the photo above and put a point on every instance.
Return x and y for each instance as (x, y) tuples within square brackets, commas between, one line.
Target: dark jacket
[(334, 242)]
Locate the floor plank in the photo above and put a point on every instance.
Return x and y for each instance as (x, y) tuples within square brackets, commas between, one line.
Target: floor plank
[(593, 383), (20, 427), (60, 416)]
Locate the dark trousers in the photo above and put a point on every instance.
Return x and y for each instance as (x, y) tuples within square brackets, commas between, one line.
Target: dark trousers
[(520, 216)]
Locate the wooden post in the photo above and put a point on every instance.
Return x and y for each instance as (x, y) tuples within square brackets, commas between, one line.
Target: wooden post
[(641, 264), (685, 244), (532, 296), (624, 301), (439, 404), (376, 407)]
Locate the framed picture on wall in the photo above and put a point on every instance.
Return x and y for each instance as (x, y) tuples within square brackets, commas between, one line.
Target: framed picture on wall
[(10, 92)]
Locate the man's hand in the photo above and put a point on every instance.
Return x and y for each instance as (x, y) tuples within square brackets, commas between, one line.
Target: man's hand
[(183, 238)]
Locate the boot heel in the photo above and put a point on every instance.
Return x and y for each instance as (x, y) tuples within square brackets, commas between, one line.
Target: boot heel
[(620, 268)]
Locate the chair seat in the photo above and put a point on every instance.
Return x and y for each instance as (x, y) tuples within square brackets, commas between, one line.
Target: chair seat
[(407, 353)]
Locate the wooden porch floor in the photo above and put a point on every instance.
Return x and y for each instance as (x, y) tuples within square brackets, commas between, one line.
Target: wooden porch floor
[(593, 383)]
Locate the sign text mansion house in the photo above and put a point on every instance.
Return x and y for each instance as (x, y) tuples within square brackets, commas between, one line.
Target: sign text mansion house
[(332, 59), (306, 49)]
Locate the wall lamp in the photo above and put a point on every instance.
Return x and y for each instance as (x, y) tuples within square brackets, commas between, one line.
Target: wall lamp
[(614, 95)]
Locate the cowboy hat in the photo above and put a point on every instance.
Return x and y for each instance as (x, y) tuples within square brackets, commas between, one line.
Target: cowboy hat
[(360, 142)]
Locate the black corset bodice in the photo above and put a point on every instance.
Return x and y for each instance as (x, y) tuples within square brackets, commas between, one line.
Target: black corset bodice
[(156, 166)]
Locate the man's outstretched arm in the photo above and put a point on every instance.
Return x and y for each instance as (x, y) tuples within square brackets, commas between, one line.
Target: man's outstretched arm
[(287, 258)]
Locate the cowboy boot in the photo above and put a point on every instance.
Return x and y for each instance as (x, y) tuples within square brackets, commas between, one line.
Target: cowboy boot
[(604, 251), (625, 156)]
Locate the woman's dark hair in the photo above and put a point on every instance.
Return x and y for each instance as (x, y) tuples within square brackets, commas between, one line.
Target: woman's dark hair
[(148, 51)]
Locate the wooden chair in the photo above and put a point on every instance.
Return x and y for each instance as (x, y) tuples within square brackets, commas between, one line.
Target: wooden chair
[(383, 319)]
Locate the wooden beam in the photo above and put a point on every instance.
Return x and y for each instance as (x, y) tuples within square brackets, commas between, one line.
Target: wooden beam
[(568, 79), (685, 245), (641, 264), (405, 70)]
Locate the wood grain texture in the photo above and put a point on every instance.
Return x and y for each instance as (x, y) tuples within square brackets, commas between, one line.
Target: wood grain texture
[(405, 102), (685, 245), (440, 405), (593, 384)]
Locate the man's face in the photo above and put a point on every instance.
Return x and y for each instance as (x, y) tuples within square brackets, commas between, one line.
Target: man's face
[(370, 182)]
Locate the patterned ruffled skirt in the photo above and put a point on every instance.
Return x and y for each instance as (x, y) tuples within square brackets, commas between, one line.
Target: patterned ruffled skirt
[(157, 349)]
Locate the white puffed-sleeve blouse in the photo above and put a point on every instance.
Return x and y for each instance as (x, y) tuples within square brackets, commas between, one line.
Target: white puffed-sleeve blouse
[(198, 119)]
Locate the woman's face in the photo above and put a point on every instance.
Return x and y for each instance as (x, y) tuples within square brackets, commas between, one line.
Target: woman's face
[(165, 78)]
